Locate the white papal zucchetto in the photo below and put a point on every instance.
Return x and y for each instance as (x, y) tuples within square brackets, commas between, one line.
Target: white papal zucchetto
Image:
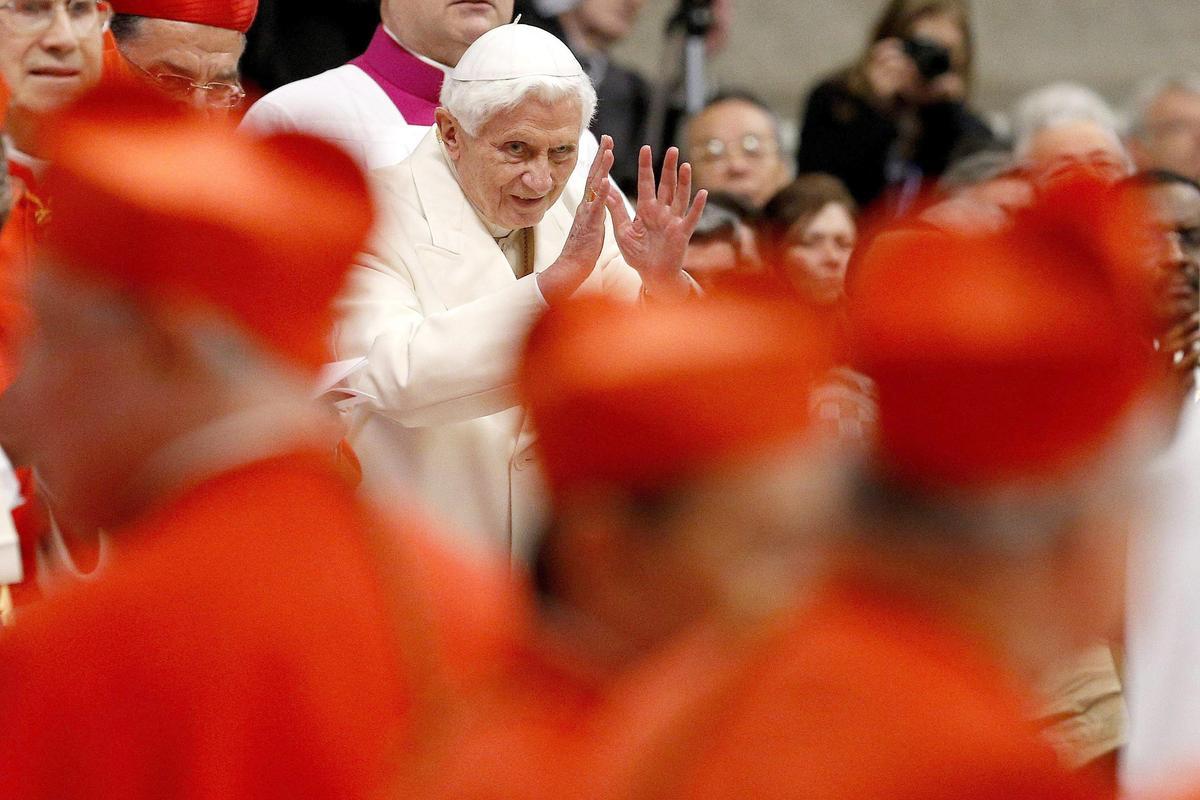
[(516, 51)]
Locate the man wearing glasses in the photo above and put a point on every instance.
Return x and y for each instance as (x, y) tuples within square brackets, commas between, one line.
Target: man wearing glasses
[(51, 52), (734, 145), (189, 50)]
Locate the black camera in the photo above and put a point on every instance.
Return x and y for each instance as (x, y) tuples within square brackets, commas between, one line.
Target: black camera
[(931, 58)]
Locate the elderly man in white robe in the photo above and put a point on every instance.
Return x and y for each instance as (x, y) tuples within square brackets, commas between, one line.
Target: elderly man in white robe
[(479, 232)]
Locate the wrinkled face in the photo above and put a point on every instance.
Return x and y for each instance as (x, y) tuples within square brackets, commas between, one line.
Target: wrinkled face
[(1062, 150), (1171, 140), (610, 20), (48, 68), (733, 148), (175, 55), (72, 398), (818, 252), (444, 29), (517, 165)]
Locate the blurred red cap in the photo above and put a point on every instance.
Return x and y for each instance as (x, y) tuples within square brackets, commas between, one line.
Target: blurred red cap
[(236, 15), (153, 200), (644, 397), (1008, 356)]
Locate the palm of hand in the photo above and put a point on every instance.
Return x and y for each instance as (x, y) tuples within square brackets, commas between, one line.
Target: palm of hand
[(654, 242)]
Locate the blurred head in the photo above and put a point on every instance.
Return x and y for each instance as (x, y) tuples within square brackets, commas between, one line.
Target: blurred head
[(683, 474), (723, 245), (51, 51), (942, 22), (1064, 148), (1014, 381), (979, 193), (735, 146), (600, 24), (174, 290), (512, 132), (809, 230), (1063, 127), (192, 63), (443, 29), (1165, 125)]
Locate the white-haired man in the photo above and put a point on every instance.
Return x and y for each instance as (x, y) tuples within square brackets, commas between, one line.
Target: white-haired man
[(479, 231), (1164, 130), (1064, 127)]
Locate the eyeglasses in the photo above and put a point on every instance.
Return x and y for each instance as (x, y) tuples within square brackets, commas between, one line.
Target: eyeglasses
[(751, 145), (216, 94), (33, 17)]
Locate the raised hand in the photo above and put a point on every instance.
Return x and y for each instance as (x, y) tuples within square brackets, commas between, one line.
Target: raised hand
[(585, 240), (654, 241)]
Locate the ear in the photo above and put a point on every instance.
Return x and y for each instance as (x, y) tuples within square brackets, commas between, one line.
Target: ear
[(449, 132)]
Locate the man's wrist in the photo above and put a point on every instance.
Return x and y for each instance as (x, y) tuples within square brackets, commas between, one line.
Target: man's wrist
[(677, 286)]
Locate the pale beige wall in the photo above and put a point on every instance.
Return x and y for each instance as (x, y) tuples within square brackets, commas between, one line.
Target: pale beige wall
[(779, 47)]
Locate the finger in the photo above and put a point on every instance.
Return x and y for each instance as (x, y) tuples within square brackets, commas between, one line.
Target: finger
[(645, 176), (616, 207), (684, 193), (669, 178), (594, 172), (693, 218)]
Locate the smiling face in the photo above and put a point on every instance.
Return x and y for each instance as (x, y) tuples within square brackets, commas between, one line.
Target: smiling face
[(518, 163), (818, 252), (47, 70), (443, 29)]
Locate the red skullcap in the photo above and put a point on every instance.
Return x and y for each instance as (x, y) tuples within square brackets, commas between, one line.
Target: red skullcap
[(642, 397), (155, 201), (236, 15), (1009, 356)]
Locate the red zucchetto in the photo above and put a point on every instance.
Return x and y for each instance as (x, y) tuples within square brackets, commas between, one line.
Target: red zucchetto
[(236, 15), (642, 397), (179, 212), (1008, 357)]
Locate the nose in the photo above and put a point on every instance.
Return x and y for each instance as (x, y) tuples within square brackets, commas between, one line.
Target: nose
[(537, 178), (60, 35), (1174, 255)]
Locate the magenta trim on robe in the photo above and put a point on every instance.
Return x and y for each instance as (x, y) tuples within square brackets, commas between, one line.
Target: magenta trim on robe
[(412, 85)]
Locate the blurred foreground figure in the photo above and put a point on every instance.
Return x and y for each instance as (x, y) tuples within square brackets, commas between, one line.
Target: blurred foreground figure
[(687, 483), (989, 542), (187, 49), (258, 632)]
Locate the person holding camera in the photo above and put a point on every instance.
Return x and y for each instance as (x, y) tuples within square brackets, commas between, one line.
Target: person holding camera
[(898, 116)]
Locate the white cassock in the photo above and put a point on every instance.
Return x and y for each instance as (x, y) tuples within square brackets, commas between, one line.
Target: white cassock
[(440, 314), (1163, 681)]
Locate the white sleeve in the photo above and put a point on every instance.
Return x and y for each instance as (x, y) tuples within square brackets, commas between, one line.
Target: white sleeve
[(266, 117), (434, 369)]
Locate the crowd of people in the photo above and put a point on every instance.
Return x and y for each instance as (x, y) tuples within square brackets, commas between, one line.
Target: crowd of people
[(469, 420)]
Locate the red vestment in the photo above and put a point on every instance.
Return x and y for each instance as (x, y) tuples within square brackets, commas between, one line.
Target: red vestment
[(861, 695), (258, 636)]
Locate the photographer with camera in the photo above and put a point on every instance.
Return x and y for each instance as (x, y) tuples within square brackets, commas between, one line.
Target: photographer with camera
[(898, 116)]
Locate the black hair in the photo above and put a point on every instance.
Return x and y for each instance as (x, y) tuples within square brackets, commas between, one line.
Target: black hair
[(125, 26)]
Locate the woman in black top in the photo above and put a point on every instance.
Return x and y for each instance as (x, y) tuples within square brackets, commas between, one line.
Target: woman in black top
[(898, 116)]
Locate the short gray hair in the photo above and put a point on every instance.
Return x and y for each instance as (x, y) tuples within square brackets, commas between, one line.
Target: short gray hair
[(1150, 90), (473, 103)]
